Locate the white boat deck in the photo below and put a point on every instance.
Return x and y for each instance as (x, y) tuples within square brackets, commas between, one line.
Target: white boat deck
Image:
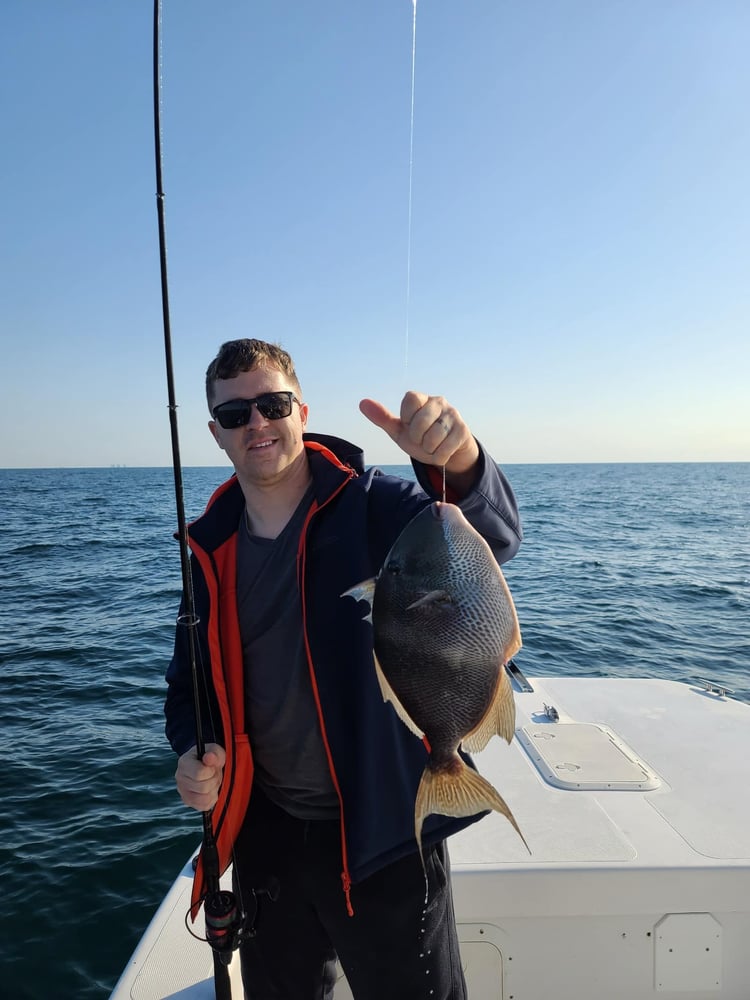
[(635, 806)]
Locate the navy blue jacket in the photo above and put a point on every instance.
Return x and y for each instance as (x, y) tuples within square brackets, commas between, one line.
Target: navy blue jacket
[(376, 761)]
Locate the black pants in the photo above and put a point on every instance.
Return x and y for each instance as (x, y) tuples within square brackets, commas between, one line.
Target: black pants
[(393, 947)]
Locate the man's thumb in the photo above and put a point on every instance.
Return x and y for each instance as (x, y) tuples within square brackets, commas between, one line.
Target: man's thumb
[(381, 416)]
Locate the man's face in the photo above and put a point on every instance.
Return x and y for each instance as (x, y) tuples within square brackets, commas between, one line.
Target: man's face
[(263, 451)]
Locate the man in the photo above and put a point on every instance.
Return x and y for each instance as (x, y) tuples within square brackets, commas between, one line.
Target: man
[(311, 777)]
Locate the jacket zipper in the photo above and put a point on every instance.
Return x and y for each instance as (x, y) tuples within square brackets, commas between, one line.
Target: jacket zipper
[(346, 881)]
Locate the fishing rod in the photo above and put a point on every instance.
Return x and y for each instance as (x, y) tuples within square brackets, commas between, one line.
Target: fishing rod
[(223, 920)]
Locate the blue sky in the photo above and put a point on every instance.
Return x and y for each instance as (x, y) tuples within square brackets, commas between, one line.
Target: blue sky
[(580, 242)]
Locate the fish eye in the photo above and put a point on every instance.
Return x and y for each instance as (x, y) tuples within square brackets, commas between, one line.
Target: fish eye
[(393, 567)]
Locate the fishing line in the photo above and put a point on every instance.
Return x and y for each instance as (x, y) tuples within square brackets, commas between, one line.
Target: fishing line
[(408, 292), (410, 200), (411, 183)]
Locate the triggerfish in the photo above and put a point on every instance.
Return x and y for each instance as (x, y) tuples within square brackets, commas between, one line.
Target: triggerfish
[(444, 626)]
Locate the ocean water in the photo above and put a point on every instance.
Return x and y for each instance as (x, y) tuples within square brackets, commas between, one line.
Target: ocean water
[(639, 570)]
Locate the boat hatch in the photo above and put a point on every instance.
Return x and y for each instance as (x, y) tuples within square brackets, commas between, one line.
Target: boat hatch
[(582, 755)]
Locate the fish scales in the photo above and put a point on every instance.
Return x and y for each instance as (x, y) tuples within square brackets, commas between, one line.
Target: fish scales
[(444, 625)]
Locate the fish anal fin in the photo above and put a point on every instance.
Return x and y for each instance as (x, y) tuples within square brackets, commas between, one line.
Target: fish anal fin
[(457, 790), (514, 642), (390, 695), (499, 719)]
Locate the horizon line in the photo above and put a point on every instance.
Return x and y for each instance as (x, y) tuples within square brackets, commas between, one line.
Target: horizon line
[(229, 470)]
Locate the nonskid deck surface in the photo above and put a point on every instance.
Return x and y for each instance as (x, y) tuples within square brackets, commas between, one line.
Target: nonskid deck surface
[(638, 883)]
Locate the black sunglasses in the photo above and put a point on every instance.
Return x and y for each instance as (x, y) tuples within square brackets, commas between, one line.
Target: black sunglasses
[(237, 412)]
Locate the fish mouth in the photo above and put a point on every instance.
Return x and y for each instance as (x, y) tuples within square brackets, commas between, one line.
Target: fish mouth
[(444, 511)]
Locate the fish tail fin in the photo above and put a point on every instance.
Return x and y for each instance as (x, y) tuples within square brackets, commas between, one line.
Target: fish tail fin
[(457, 790)]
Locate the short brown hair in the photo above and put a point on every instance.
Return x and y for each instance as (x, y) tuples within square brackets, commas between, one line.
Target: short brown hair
[(246, 355)]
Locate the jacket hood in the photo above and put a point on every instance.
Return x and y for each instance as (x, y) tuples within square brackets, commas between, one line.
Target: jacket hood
[(346, 452), (332, 459)]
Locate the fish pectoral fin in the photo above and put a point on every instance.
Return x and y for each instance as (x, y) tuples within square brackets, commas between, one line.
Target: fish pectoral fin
[(431, 598), (364, 591), (499, 719), (457, 790), (390, 695)]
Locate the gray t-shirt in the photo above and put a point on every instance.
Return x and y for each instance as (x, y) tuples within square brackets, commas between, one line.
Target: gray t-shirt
[(290, 759)]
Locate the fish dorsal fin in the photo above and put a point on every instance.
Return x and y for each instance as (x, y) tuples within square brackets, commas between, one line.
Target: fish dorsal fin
[(364, 591), (389, 695), (500, 717)]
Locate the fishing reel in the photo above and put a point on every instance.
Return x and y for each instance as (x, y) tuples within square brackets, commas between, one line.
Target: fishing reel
[(227, 924)]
